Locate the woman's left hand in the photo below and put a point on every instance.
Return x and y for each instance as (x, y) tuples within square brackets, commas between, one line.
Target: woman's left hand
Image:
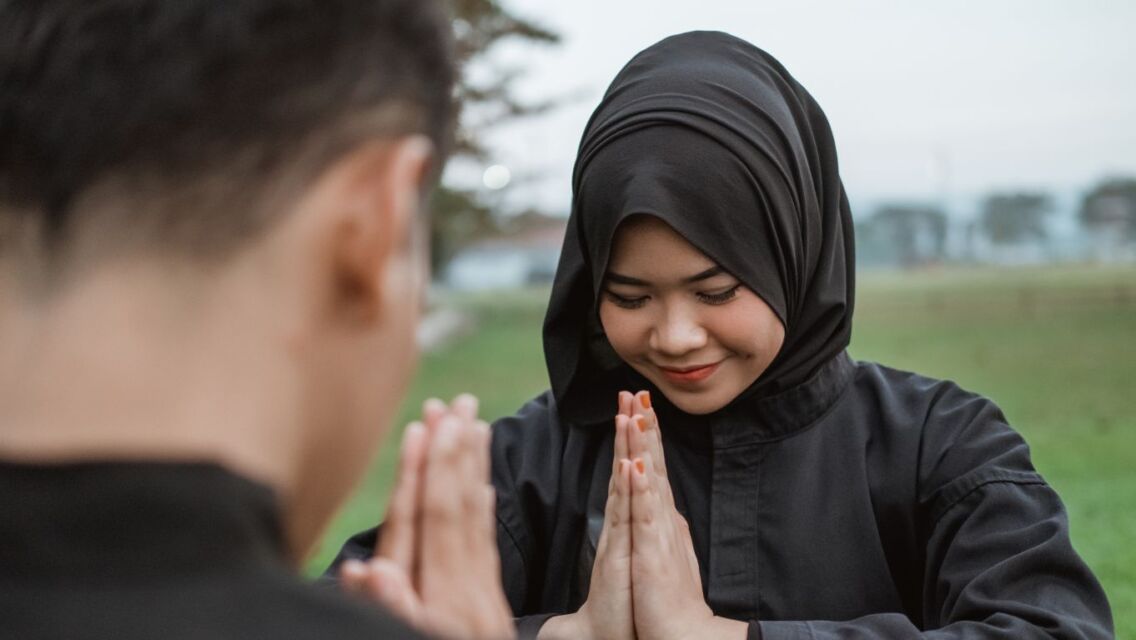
[(666, 582)]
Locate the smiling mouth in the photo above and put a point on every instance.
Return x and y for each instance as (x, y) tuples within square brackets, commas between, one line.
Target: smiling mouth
[(688, 375)]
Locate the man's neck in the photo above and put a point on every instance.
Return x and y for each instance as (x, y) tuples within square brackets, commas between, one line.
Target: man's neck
[(139, 365)]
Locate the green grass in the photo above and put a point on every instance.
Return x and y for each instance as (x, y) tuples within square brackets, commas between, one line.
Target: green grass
[(502, 363), (1056, 348)]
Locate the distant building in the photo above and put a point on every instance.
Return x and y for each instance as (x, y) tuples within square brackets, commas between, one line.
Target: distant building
[(520, 259)]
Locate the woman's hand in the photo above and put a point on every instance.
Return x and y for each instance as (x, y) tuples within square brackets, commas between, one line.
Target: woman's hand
[(606, 615), (666, 582), (437, 565)]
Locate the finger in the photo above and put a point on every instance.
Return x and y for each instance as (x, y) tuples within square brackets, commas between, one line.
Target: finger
[(620, 545), (474, 479), (487, 549), (615, 537), (489, 514), (442, 508), (433, 410), (488, 508), (644, 442), (465, 406), (483, 452), (352, 576), (620, 435), (642, 406), (625, 399), (398, 535), (646, 513), (620, 448), (388, 585)]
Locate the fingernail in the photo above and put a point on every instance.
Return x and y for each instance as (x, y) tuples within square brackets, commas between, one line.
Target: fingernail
[(645, 399), (639, 466), (640, 422)]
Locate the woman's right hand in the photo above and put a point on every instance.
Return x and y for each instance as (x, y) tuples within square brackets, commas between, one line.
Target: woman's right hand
[(607, 614)]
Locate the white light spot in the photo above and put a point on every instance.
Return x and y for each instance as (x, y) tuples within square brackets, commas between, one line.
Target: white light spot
[(496, 177)]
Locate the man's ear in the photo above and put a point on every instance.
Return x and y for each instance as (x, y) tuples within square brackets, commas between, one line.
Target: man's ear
[(378, 189)]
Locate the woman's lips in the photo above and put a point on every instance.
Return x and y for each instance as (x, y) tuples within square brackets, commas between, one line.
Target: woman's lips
[(687, 375)]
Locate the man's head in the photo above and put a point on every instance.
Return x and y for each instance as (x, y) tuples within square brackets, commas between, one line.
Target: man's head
[(243, 174)]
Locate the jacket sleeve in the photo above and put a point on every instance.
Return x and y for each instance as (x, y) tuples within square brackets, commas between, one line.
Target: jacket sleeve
[(998, 559), (526, 470)]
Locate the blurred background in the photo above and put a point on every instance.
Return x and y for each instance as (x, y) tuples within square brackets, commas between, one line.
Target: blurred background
[(989, 153)]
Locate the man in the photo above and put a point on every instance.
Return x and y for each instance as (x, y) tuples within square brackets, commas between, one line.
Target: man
[(210, 273)]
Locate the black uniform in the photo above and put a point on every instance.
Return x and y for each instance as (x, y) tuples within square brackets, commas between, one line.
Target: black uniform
[(832, 499), (151, 551)]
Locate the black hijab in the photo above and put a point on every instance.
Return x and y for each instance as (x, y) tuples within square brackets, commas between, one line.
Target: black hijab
[(714, 137)]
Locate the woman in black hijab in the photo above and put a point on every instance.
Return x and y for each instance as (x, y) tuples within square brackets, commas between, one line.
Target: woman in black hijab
[(825, 498)]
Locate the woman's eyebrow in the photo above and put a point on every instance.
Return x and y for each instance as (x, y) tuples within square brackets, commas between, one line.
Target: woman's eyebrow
[(628, 280), (636, 282), (704, 275)]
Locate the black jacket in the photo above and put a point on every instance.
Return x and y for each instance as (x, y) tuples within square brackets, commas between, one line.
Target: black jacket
[(146, 551), (866, 503)]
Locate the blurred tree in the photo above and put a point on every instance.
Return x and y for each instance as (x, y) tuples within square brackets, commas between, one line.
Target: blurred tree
[(907, 235), (1111, 207), (1009, 218), (485, 94)]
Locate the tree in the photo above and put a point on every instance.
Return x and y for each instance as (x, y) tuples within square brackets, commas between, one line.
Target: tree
[(1009, 218), (904, 234), (1111, 206), (486, 101)]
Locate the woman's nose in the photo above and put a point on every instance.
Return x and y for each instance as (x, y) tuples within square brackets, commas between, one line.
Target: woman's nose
[(677, 334)]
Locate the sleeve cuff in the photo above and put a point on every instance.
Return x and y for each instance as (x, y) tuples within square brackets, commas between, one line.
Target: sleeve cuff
[(779, 630)]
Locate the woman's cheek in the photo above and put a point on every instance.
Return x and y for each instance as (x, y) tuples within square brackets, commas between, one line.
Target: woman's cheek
[(749, 327), (621, 327)]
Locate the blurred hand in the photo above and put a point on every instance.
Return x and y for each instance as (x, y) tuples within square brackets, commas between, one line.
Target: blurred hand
[(606, 615), (436, 565)]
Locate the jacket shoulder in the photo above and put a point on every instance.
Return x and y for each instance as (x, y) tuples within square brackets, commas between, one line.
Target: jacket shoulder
[(535, 429), (962, 438)]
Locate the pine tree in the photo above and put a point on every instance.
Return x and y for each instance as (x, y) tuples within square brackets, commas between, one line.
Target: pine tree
[(459, 214)]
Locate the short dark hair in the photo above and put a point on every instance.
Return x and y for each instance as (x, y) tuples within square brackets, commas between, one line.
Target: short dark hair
[(164, 96)]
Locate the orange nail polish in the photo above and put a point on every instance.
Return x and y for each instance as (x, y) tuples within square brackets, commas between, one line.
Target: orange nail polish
[(639, 466), (645, 399), (641, 423)]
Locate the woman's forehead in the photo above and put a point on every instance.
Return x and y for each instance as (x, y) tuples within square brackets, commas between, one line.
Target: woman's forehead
[(648, 246)]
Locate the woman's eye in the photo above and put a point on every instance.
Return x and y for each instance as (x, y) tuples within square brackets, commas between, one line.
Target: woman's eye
[(720, 297), (625, 302)]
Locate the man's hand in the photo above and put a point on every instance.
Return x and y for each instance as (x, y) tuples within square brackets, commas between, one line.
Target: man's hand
[(437, 565)]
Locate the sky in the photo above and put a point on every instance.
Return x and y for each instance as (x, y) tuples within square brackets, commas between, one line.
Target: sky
[(926, 99)]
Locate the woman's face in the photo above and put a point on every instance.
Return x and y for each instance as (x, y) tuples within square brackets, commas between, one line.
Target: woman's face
[(681, 321)]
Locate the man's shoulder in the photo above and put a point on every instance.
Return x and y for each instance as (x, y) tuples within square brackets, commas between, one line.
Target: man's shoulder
[(295, 609), (280, 607)]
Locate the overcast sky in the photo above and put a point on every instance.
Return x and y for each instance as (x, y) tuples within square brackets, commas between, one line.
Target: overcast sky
[(925, 98)]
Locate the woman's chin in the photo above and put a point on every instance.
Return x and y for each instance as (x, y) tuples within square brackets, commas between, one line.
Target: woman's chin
[(696, 402)]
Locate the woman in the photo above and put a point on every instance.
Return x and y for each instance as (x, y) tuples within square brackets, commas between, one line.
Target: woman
[(762, 484)]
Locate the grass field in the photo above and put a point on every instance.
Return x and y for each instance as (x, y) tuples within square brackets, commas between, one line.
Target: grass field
[(1056, 348)]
